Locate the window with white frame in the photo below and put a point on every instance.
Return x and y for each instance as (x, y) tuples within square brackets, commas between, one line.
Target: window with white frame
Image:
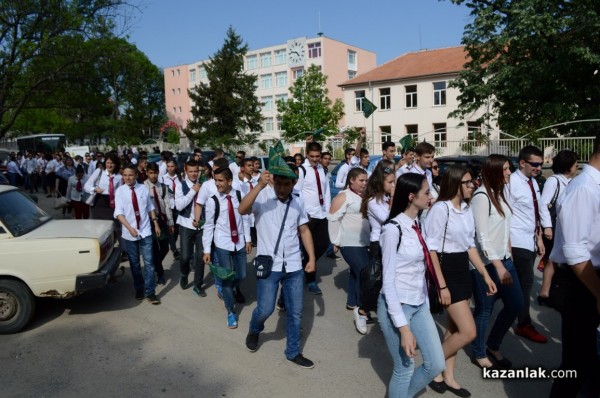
[(173, 90), (298, 72), (267, 103), (474, 133), (180, 110), (352, 60), (281, 79), (279, 57), (174, 110), (173, 72), (358, 100), (266, 81), (314, 50), (386, 133), (439, 93), (178, 72), (179, 91), (385, 98), (202, 72), (252, 62), (412, 130), (268, 124), (193, 75), (411, 96), (281, 97), (351, 74), (265, 59), (278, 122), (439, 134)]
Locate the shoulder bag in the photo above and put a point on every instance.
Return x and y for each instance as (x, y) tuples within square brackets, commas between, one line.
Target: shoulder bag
[(263, 264)]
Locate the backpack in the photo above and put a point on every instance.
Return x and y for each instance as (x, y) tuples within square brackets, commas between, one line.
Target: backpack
[(218, 206)]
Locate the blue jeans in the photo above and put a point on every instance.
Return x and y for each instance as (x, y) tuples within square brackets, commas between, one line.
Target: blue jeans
[(357, 258), (141, 282), (191, 245), (511, 296), (235, 260), (292, 284), (407, 381)]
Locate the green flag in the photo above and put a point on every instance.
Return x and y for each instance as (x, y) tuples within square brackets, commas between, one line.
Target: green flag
[(277, 165), (368, 107), (406, 142), (316, 133)]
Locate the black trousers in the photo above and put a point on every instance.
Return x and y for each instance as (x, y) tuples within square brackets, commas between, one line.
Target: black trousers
[(320, 234), (524, 260), (579, 343)]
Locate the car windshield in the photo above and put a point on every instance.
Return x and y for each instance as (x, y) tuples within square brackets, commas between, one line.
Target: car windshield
[(19, 213)]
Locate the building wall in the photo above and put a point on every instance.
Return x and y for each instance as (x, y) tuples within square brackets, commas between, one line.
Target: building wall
[(177, 100)]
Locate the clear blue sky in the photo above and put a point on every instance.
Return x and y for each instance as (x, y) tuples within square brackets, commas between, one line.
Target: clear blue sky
[(175, 32)]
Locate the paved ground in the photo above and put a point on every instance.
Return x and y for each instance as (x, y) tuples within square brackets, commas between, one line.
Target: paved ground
[(105, 343)]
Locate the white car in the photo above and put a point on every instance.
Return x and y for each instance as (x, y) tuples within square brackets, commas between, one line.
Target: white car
[(43, 257)]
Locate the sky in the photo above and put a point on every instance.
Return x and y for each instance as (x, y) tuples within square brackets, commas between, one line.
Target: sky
[(176, 32)]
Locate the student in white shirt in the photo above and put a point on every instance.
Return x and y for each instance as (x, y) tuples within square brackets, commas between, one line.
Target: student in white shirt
[(424, 153), (403, 307), (530, 216), (247, 183), (492, 216), (135, 211), (171, 180), (229, 232), (449, 230), (75, 194), (407, 160), (577, 250), (105, 183)]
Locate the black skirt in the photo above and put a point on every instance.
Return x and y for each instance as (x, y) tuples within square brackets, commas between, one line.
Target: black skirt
[(102, 209), (455, 268)]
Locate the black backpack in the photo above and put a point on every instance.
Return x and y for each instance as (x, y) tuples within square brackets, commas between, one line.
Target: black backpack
[(218, 206)]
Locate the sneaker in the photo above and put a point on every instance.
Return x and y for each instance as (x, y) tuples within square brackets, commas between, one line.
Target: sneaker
[(529, 332), (360, 321), (183, 281), (200, 292), (239, 297), (220, 292), (153, 299), (302, 362), (176, 255), (333, 256), (314, 288), (139, 295), (232, 321), (161, 280), (252, 341), (350, 307)]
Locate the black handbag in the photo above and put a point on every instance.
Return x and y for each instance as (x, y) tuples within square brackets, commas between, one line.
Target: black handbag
[(435, 305), (263, 264)]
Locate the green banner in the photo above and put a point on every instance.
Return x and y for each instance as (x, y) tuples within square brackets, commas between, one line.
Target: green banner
[(406, 142), (277, 165), (368, 107)]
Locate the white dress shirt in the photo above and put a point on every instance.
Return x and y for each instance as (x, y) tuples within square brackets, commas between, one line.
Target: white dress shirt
[(552, 183), (377, 213), (162, 168), (491, 229), (403, 268), (578, 222), (171, 181), (208, 189), (221, 232), (182, 201), (416, 169), (342, 175), (124, 206), (307, 185), (103, 182), (72, 192), (520, 199), (460, 234), (268, 212), (347, 227), (404, 169)]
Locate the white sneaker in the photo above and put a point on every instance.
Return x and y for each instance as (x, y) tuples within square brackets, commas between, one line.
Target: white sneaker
[(360, 321)]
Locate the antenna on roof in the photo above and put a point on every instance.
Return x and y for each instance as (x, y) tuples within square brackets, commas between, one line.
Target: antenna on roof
[(420, 43), (319, 33)]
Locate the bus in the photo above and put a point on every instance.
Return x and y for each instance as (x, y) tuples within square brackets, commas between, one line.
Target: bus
[(41, 143)]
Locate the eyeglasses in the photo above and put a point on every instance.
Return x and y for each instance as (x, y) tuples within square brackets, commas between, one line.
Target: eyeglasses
[(469, 182), (534, 164), (435, 167)]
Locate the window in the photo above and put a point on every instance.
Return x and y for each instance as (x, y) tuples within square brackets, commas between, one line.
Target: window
[(267, 103), (202, 72), (179, 91), (252, 61), (266, 81), (173, 90), (385, 99), (193, 75), (314, 50), (281, 97), (174, 110), (439, 134), (439, 93), (179, 109), (178, 72), (268, 124), (298, 72), (358, 100), (279, 120), (173, 72), (352, 60), (351, 74), (281, 79), (386, 133), (265, 59), (411, 96), (280, 57), (474, 133), (412, 130)]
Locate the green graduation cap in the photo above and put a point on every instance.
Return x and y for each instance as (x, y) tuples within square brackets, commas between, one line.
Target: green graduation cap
[(278, 166)]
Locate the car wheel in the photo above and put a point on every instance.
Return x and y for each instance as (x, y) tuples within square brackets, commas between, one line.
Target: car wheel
[(17, 304)]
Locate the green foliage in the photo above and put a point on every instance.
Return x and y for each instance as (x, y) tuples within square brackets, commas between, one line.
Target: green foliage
[(226, 111), (533, 63), (309, 108), (172, 136)]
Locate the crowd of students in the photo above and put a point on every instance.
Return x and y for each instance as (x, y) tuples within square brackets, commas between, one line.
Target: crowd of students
[(402, 229)]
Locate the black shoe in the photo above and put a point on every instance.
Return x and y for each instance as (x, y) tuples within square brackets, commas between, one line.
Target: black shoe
[(476, 363), (333, 256), (302, 362), (544, 301), (252, 341), (153, 299), (139, 295), (461, 392), (183, 281), (199, 291), (176, 255), (239, 297), (370, 319), (503, 363), (438, 386)]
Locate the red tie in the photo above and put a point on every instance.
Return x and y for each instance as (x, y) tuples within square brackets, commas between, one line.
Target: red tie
[(156, 202), (79, 187), (535, 205), (250, 183), (232, 225), (428, 262), (173, 184), (111, 192), (319, 185), (136, 207)]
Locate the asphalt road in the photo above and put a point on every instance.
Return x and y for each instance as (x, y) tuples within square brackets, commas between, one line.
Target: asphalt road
[(104, 343)]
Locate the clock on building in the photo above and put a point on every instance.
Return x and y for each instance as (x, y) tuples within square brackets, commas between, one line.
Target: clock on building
[(296, 52)]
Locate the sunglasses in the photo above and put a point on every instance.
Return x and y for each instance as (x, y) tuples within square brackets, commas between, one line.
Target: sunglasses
[(534, 164), (435, 167), (469, 182)]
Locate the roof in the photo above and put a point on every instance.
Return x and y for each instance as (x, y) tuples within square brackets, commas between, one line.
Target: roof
[(416, 64)]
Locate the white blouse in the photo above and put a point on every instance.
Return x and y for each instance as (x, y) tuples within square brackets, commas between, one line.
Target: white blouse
[(460, 234), (377, 213), (492, 230), (347, 227)]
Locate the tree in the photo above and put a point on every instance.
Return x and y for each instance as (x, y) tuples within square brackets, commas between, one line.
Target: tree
[(226, 111), (309, 108), (533, 63), (42, 45)]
